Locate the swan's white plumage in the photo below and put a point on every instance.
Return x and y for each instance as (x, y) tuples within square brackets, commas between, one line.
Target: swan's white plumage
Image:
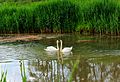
[(52, 48), (66, 49)]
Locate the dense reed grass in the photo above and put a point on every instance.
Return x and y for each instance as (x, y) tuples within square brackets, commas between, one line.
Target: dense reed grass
[(100, 16), (48, 16), (91, 16)]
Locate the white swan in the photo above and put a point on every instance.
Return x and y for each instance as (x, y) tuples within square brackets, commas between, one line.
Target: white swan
[(52, 48), (65, 50)]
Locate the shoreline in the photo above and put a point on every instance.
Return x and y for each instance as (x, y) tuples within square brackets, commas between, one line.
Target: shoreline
[(26, 37)]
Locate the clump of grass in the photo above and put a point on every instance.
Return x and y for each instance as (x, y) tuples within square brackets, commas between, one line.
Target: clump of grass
[(3, 77), (100, 16), (24, 20), (75, 66), (92, 16), (38, 17), (22, 70), (57, 15)]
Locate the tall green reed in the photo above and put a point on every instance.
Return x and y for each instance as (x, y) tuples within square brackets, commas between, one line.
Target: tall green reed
[(100, 16), (46, 16), (92, 16), (3, 77), (75, 66), (57, 15), (22, 70)]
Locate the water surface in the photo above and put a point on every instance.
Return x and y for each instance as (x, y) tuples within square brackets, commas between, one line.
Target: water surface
[(93, 59)]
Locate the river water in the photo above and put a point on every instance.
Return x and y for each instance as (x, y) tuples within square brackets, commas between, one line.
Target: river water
[(93, 59)]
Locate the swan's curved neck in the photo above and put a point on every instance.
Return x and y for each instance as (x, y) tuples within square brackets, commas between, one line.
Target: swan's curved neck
[(57, 46), (61, 46)]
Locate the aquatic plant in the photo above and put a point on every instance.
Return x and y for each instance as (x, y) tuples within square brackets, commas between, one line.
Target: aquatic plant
[(3, 77), (75, 66), (22, 70)]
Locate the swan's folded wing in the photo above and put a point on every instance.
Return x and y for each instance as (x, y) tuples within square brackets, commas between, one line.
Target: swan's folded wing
[(50, 47), (67, 49)]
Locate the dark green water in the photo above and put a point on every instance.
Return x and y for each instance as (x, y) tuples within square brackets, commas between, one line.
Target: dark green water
[(93, 59)]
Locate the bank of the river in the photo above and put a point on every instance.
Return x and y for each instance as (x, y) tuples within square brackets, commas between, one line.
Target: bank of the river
[(26, 37), (91, 16), (19, 37)]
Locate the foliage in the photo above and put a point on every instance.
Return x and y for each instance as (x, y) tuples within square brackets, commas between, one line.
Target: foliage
[(3, 77), (22, 70), (46, 16), (100, 16), (93, 16)]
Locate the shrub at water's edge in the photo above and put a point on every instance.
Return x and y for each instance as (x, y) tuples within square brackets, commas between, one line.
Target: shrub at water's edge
[(91, 16)]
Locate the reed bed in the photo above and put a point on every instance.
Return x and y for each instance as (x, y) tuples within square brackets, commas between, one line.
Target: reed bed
[(100, 16), (91, 16), (47, 16)]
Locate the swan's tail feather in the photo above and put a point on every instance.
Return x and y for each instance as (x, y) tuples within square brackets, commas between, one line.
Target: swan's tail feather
[(71, 48), (45, 49)]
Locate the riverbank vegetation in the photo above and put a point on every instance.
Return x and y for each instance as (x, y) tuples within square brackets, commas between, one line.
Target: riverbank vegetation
[(61, 16)]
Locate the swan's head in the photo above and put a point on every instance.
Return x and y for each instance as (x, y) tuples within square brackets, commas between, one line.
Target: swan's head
[(57, 41), (61, 41)]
